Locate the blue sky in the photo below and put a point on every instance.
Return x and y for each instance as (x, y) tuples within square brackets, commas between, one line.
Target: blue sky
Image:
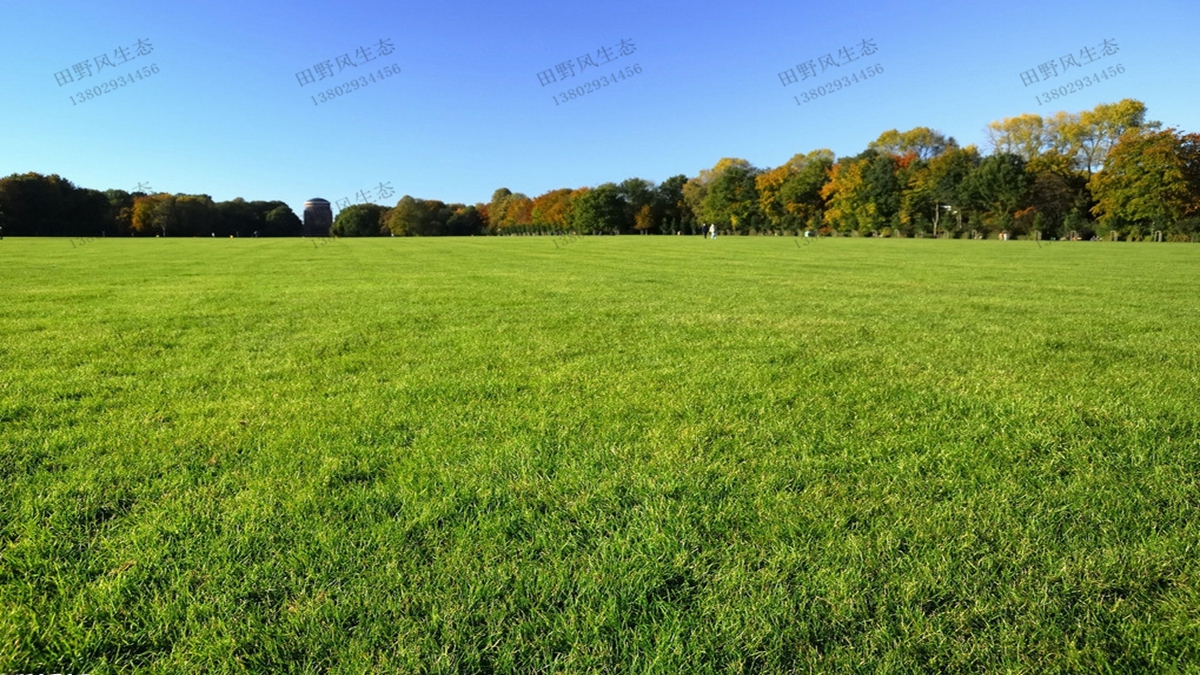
[(226, 115)]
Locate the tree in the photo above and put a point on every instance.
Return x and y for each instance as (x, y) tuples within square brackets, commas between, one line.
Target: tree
[(1025, 136), (1056, 192), (845, 195), (923, 141), (789, 196), (637, 193), (242, 217), (412, 217), (732, 199), (676, 215), (695, 191), (1151, 180), (1100, 129), (508, 210), (997, 190), (771, 203), (120, 211), (552, 209), (154, 215), (918, 208), (864, 192), (281, 221), (239, 215), (950, 169), (465, 221), (37, 205), (496, 208), (359, 220), (407, 218), (643, 220), (195, 216), (882, 187), (600, 210)]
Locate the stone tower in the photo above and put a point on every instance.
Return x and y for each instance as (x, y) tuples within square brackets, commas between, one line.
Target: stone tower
[(318, 218)]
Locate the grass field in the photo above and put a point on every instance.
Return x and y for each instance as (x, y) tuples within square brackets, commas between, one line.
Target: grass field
[(625, 455)]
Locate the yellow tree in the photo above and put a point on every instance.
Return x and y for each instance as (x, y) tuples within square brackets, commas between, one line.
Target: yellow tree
[(1025, 136), (510, 212), (552, 209), (790, 195), (153, 214), (848, 207), (643, 220), (1102, 127), (770, 193), (926, 143)]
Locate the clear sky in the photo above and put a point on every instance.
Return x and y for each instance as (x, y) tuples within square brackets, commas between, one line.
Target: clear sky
[(226, 114)]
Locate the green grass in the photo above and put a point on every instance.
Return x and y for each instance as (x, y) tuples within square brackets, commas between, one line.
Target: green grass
[(627, 455)]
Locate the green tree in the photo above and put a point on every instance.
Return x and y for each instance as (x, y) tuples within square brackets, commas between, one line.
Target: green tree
[(695, 191), (600, 210), (120, 211), (882, 187), (638, 195), (1151, 180), (360, 220), (676, 215), (1056, 191), (412, 217), (997, 190), (87, 213), (465, 221), (281, 221), (732, 199), (37, 205), (196, 216)]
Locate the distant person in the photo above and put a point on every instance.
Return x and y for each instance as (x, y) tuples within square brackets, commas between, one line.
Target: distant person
[(712, 231)]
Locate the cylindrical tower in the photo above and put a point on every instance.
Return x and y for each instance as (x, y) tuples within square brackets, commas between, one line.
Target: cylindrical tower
[(318, 218)]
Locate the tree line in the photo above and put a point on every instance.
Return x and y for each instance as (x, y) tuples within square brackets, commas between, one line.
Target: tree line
[(32, 204), (1101, 172)]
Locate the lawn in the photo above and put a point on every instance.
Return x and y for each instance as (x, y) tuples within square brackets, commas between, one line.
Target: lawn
[(616, 455)]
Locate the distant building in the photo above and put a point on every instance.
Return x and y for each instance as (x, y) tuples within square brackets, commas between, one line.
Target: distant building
[(318, 218)]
